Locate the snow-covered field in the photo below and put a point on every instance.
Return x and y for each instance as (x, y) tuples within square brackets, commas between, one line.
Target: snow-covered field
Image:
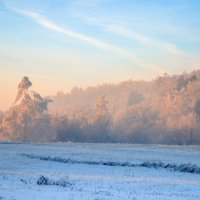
[(98, 172)]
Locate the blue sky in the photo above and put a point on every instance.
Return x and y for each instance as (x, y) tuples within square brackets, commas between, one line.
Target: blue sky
[(64, 43)]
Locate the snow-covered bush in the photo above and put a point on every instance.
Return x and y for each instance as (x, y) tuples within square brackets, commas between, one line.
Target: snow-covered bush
[(63, 182)]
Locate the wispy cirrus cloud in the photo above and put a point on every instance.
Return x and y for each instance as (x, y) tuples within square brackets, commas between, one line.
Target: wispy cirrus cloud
[(125, 32), (163, 45), (46, 23)]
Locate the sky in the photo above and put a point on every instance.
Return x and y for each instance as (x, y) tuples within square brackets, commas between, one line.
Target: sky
[(60, 44)]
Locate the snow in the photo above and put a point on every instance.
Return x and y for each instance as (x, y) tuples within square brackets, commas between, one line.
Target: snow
[(20, 174)]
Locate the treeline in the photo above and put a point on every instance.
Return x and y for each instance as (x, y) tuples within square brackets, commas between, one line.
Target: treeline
[(165, 110)]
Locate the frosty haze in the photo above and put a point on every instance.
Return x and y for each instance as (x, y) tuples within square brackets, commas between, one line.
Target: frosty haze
[(165, 110)]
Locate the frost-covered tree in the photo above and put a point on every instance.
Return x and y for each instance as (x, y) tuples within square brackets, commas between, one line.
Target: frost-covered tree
[(27, 119), (101, 121)]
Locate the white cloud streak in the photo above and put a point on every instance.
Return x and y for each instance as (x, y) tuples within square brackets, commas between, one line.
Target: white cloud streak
[(143, 39), (46, 23), (164, 45)]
